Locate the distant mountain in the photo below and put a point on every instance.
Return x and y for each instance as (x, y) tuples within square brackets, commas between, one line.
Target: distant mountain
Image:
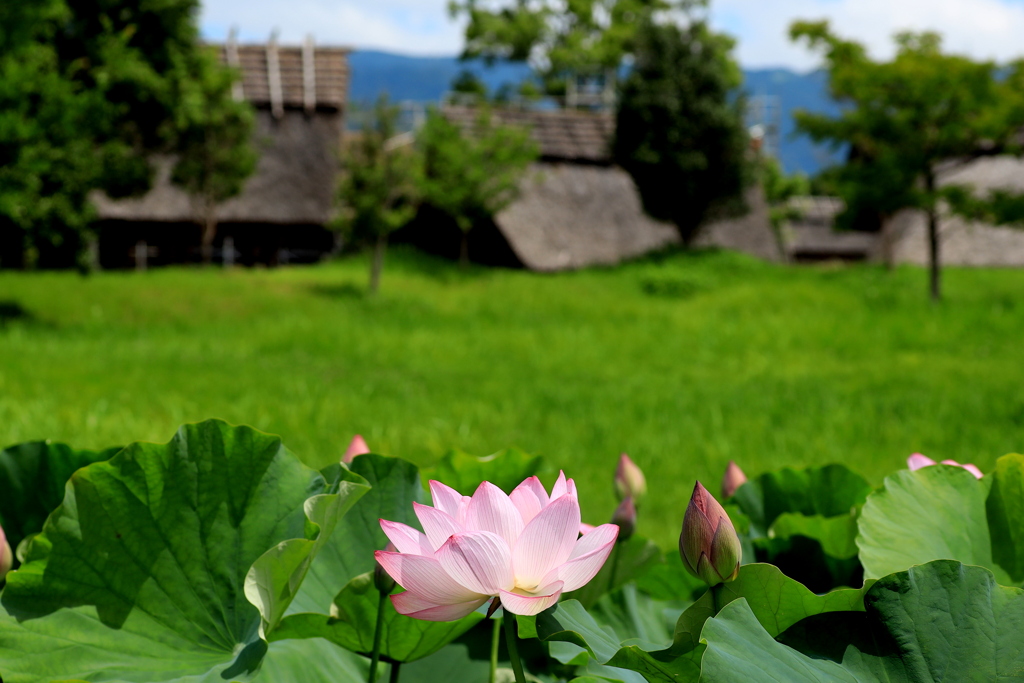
[(426, 79)]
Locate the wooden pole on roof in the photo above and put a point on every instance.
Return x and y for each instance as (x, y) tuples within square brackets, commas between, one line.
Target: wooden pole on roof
[(274, 78), (231, 50), (309, 75)]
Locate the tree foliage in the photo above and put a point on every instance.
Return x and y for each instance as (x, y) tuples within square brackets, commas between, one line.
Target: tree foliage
[(677, 132), (379, 189), (87, 94), (903, 118), (559, 38), (472, 175)]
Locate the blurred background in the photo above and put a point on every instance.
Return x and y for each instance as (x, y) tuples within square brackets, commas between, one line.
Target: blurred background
[(777, 233)]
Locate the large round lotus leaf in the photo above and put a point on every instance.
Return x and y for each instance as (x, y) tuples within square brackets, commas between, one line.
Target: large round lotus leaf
[(139, 574)]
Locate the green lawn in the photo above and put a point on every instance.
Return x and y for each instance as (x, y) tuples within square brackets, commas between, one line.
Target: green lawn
[(684, 362)]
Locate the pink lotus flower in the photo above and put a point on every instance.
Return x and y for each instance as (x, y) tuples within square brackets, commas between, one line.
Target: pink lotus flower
[(524, 548), (356, 447), (917, 461)]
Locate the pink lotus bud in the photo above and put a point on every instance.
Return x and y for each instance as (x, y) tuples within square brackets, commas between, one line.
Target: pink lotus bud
[(708, 544), (625, 518), (917, 461), (382, 581), (6, 556), (629, 480), (356, 447), (733, 479)]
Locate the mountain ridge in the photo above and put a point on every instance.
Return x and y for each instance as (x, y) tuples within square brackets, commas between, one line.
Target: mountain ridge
[(426, 79)]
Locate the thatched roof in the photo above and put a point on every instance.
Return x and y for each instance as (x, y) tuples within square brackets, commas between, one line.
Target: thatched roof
[(563, 135), (299, 120), (571, 216)]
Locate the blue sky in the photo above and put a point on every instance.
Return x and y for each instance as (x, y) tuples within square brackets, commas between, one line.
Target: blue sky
[(991, 29)]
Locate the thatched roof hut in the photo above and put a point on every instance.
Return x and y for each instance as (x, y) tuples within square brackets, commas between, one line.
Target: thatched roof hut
[(575, 208), (300, 94), (578, 209)]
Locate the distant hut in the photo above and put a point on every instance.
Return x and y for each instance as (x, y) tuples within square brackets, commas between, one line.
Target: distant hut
[(300, 96), (577, 208), (963, 242)]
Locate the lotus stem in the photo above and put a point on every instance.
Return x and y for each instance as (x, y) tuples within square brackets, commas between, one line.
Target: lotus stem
[(716, 597), (513, 650), (495, 642), (614, 567), (396, 668), (377, 632)]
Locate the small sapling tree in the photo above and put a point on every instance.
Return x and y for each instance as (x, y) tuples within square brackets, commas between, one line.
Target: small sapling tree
[(472, 175), (215, 154), (379, 190), (904, 118)]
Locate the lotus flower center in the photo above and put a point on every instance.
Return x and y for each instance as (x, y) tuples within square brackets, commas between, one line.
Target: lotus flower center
[(524, 589)]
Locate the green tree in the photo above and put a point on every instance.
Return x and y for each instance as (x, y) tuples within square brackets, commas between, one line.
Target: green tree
[(212, 139), (560, 39), (903, 118), (472, 175), (379, 188), (676, 131), (84, 100)]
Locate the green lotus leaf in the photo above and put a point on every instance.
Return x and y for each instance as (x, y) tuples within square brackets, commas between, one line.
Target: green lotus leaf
[(32, 478), (934, 513), (353, 620), (941, 621), (1005, 512), (139, 574), (828, 491), (505, 469), (348, 552)]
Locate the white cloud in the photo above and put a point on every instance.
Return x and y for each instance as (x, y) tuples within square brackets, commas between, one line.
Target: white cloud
[(983, 29)]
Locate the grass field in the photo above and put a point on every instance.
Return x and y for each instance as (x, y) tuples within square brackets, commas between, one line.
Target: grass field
[(684, 361)]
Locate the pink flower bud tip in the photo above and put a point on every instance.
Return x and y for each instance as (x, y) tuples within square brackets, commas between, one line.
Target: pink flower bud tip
[(625, 518), (6, 556), (708, 544), (629, 480), (356, 447), (733, 479), (917, 461)]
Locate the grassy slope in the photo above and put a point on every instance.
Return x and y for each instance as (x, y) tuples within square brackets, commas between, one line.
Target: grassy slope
[(683, 362)]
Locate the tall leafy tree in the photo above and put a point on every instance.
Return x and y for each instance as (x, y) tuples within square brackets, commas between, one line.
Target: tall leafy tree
[(472, 175), (677, 132), (906, 117), (86, 95), (560, 39), (212, 140), (379, 189)]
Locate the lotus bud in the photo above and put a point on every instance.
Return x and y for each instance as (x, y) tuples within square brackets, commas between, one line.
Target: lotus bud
[(709, 545), (356, 447), (6, 556), (382, 581), (733, 479), (625, 519), (629, 480)]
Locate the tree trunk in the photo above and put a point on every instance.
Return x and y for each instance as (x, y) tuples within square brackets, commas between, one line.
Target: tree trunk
[(209, 231), (377, 264), (464, 251), (934, 264)]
